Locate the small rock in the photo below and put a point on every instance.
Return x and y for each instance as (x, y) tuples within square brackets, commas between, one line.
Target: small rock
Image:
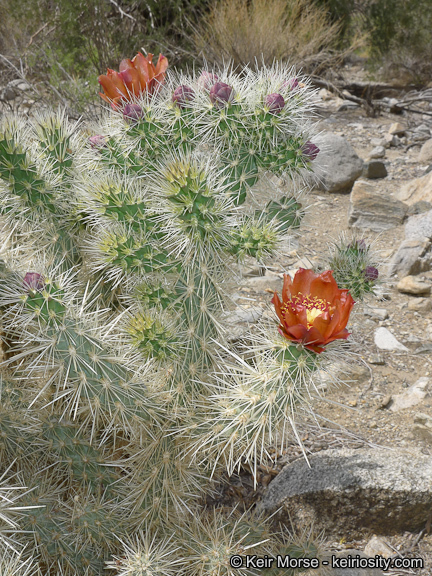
[(412, 257), (9, 93), (422, 128), (371, 209), (341, 165), (376, 313), (384, 340), (378, 152), (412, 396), (261, 283), (397, 129), (347, 105), (376, 360), (409, 285), (374, 169), (423, 426), (23, 86), (420, 304), (426, 152), (378, 142), (390, 140), (384, 402), (377, 546)]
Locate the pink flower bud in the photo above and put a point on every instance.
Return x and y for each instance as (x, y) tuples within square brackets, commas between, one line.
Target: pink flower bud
[(310, 150), (97, 141), (207, 79), (274, 103), (221, 93), (182, 95), (132, 112), (371, 273), (33, 281), (358, 245), (290, 84)]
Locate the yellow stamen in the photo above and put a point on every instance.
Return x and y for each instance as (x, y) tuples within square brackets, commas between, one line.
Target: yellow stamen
[(314, 306)]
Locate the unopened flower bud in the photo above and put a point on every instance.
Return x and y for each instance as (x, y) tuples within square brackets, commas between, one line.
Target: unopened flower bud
[(290, 84), (310, 150), (182, 95), (358, 245), (132, 112), (207, 79), (33, 281), (221, 93), (371, 273), (274, 102), (97, 141)]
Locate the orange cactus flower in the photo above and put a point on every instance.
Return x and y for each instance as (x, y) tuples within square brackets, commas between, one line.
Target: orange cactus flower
[(135, 77), (313, 311)]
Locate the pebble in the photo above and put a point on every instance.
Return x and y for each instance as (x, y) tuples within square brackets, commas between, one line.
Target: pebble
[(384, 340), (374, 169), (397, 129), (378, 152), (376, 313), (410, 285), (377, 545), (412, 396)]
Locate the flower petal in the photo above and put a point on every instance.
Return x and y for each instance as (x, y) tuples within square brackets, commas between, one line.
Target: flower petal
[(302, 281)]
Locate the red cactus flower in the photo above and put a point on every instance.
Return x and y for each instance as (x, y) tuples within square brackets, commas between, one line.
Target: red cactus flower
[(313, 311), (135, 77)]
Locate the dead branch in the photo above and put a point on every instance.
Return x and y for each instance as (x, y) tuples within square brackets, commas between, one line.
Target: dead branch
[(122, 12)]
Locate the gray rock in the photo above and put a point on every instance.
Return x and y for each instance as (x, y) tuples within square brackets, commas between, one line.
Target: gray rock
[(412, 396), (423, 426), (244, 315), (376, 313), (412, 257), (347, 105), (373, 210), (378, 142), (374, 169), (339, 164), (378, 152), (262, 283), (370, 489), (422, 128), (384, 340), (426, 152), (419, 226)]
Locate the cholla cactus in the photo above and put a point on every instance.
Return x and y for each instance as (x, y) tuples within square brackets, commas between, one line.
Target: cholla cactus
[(121, 397)]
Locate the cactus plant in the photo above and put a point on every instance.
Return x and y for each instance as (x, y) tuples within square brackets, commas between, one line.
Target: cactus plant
[(121, 395)]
